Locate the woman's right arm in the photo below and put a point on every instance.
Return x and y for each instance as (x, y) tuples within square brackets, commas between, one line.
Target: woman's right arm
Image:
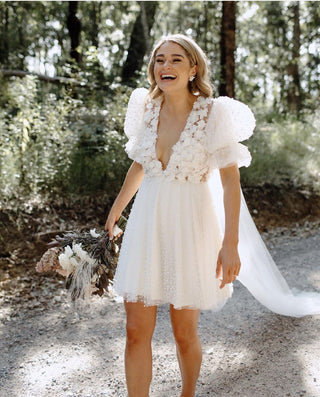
[(129, 188)]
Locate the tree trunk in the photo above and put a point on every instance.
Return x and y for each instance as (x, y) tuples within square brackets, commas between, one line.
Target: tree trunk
[(4, 36), (294, 89), (74, 28), (139, 42), (95, 13), (227, 48), (205, 25)]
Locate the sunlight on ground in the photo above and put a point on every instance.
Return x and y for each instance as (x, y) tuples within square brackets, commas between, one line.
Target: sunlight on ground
[(234, 358), (58, 363), (5, 312), (314, 279), (310, 370)]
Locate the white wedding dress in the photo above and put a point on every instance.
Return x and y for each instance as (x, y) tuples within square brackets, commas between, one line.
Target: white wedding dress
[(175, 228)]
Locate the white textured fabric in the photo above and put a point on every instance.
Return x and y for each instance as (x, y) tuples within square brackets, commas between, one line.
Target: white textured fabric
[(172, 238), (174, 231), (200, 148), (235, 153), (134, 117), (170, 247), (229, 123), (259, 273)]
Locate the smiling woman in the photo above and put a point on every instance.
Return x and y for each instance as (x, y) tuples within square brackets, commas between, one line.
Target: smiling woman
[(175, 249), (184, 52)]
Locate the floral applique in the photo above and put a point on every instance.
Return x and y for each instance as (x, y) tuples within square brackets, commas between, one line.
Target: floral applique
[(189, 158)]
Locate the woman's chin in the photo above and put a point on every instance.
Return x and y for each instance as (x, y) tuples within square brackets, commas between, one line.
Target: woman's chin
[(172, 88)]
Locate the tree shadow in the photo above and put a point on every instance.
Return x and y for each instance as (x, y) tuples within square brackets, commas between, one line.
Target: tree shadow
[(261, 354), (61, 349)]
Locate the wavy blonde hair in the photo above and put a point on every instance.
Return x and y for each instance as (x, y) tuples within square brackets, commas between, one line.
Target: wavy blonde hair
[(201, 84)]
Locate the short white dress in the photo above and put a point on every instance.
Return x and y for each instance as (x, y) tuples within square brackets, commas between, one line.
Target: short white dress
[(172, 239)]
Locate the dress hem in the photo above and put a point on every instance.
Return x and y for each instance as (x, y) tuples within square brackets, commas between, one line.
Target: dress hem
[(147, 302)]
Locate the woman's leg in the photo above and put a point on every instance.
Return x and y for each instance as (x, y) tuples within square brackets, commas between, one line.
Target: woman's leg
[(141, 321), (185, 329)]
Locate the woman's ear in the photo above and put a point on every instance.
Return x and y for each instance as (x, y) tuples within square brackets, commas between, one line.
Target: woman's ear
[(194, 70)]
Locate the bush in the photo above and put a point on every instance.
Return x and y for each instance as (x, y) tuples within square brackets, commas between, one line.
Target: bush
[(285, 150), (54, 144)]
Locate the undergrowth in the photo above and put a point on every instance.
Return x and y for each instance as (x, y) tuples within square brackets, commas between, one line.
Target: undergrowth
[(285, 151), (57, 144)]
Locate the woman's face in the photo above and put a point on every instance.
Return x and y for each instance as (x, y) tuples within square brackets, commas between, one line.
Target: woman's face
[(172, 68)]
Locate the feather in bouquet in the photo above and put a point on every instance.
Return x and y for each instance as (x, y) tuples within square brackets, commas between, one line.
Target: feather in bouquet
[(88, 260)]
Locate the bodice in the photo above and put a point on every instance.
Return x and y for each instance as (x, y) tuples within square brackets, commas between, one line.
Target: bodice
[(210, 140), (189, 160)]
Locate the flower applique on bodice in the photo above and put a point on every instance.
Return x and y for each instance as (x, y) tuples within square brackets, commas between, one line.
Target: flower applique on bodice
[(189, 156)]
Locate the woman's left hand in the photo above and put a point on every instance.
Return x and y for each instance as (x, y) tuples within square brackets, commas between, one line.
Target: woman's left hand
[(228, 265)]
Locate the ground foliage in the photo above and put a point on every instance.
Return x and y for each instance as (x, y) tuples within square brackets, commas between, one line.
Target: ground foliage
[(54, 143), (285, 150)]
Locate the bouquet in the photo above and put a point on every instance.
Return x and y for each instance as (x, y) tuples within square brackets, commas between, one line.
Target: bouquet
[(88, 260)]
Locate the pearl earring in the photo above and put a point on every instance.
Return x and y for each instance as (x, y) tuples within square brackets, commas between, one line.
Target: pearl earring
[(191, 78)]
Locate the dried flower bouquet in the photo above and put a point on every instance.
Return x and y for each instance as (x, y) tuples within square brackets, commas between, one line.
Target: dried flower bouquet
[(88, 260)]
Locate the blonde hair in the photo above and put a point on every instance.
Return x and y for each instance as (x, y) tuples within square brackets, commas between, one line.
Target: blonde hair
[(201, 84)]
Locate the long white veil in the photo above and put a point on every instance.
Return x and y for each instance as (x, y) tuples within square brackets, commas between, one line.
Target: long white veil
[(259, 273)]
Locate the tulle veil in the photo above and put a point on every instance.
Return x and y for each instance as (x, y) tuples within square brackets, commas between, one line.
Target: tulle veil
[(259, 273)]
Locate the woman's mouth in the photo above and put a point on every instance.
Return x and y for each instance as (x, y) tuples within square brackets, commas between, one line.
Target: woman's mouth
[(168, 77)]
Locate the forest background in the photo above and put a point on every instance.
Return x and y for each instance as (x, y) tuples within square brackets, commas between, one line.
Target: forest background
[(66, 73)]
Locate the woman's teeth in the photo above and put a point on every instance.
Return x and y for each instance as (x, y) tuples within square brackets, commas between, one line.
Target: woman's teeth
[(168, 77)]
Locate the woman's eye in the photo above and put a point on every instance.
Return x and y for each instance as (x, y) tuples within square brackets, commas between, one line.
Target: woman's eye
[(159, 60), (177, 60)]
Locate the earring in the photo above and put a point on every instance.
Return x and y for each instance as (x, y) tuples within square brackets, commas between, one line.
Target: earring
[(191, 78)]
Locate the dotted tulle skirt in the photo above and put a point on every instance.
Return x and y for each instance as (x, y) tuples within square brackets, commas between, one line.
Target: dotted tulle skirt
[(170, 247)]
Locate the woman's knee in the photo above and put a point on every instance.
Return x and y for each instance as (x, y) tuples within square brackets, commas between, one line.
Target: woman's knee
[(185, 337), (137, 334), (185, 327), (140, 323)]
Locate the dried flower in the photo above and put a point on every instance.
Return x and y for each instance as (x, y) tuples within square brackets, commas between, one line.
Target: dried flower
[(94, 233), (87, 259), (49, 260)]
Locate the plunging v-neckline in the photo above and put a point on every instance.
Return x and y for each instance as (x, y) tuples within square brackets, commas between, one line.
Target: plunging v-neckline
[(165, 167)]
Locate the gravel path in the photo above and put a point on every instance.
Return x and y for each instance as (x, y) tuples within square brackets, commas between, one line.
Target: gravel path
[(49, 347)]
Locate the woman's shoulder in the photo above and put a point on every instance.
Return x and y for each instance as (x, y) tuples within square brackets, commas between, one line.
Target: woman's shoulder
[(230, 119), (232, 109), (137, 101), (135, 111), (228, 102), (138, 95)]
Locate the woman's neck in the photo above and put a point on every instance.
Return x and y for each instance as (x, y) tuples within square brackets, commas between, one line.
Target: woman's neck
[(177, 103)]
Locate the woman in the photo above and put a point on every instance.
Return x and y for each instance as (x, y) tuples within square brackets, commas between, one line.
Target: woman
[(175, 250)]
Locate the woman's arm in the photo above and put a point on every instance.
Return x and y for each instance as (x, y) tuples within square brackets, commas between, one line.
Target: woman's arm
[(228, 260), (129, 188)]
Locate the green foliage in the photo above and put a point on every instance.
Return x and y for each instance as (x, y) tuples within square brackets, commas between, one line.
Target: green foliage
[(68, 139), (59, 145), (285, 150), (99, 161), (31, 135), (264, 53), (34, 36)]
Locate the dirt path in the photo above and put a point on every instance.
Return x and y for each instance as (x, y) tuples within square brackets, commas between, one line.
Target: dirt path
[(51, 348)]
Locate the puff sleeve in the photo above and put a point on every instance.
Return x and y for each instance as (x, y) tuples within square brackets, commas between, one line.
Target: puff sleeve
[(133, 120), (229, 123)]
